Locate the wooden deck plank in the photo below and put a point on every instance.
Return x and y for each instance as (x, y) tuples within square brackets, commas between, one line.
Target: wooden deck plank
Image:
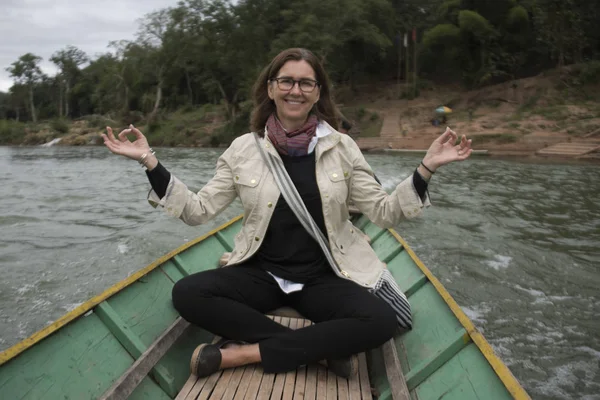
[(187, 388), (321, 383), (331, 386), (342, 386), (210, 384), (310, 391), (234, 383), (278, 387), (222, 384), (266, 387), (257, 376), (394, 371), (245, 382), (365, 384), (354, 387)]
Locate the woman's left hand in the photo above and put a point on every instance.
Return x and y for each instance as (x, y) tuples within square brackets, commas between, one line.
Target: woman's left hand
[(444, 150)]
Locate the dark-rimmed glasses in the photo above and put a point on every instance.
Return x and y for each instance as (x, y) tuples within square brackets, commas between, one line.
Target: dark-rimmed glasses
[(305, 85)]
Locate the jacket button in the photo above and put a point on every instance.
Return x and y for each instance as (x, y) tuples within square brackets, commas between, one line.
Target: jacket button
[(345, 174), (267, 145), (326, 196), (237, 178), (269, 204), (334, 175), (257, 238), (253, 181)]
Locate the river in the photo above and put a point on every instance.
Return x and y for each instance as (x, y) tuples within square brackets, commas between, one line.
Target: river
[(517, 244)]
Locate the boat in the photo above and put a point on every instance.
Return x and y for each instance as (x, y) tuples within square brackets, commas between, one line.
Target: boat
[(129, 342)]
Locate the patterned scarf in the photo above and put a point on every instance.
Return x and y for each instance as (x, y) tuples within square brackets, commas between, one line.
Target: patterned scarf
[(293, 143)]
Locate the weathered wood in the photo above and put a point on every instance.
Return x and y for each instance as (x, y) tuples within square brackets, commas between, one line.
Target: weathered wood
[(234, 383), (354, 387), (266, 386), (331, 386), (222, 384), (394, 371), (245, 382), (365, 385), (134, 375), (321, 383), (310, 392), (257, 377), (342, 387), (209, 386), (311, 382)]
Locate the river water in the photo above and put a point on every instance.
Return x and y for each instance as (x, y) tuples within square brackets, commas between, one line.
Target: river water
[(516, 244)]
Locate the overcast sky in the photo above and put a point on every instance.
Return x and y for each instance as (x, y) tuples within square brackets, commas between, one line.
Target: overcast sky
[(42, 27)]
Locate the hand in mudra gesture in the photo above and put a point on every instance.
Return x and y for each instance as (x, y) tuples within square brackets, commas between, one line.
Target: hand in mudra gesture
[(443, 150), (123, 146)]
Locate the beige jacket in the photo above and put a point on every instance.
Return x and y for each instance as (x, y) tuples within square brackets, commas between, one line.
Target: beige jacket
[(343, 177)]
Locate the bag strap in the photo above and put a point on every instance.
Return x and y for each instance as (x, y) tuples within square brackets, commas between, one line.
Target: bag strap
[(292, 197)]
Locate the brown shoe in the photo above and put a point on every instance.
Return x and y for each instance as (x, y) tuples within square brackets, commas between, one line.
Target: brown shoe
[(206, 360), (343, 367)]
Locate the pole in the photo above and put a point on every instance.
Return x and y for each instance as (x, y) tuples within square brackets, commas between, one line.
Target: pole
[(400, 43), (415, 60), (406, 74)]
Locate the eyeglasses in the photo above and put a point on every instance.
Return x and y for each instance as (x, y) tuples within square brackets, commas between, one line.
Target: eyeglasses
[(305, 85)]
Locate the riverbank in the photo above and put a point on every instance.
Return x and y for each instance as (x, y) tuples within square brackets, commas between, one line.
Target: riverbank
[(547, 116)]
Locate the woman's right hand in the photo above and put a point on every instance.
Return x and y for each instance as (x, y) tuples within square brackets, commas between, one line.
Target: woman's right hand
[(123, 146)]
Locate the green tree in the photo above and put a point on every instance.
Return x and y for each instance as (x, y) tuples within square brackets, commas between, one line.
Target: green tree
[(26, 71), (68, 61)]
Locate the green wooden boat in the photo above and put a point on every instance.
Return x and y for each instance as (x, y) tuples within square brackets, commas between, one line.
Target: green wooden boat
[(129, 342)]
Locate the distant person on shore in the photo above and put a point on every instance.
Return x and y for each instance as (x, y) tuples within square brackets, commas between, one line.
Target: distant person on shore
[(339, 283)]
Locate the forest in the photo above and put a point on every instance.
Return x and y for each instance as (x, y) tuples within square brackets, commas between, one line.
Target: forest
[(203, 56)]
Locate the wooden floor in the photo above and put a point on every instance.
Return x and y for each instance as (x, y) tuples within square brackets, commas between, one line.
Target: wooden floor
[(313, 382)]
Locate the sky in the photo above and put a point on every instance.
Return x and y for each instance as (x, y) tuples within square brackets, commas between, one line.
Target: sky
[(42, 27)]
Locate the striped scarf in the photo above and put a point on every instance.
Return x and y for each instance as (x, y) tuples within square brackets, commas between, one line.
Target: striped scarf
[(293, 143)]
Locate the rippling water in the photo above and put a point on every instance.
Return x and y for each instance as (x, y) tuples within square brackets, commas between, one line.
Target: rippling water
[(516, 244)]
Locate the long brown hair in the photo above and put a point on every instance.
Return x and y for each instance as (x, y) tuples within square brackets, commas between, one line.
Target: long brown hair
[(324, 109)]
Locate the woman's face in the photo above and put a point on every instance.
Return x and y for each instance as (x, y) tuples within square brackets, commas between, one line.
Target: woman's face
[(293, 105)]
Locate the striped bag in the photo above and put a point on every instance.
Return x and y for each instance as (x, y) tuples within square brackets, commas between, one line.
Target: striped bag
[(386, 287)]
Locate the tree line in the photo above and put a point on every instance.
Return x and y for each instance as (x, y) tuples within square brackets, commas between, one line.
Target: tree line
[(210, 51)]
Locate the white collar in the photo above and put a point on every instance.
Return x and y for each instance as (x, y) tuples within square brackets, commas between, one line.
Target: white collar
[(322, 131)]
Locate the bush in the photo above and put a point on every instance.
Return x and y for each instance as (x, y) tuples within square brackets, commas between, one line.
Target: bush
[(590, 73), (60, 125), (11, 132)]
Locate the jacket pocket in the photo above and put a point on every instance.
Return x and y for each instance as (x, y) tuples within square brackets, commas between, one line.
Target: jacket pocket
[(339, 184), (247, 183)]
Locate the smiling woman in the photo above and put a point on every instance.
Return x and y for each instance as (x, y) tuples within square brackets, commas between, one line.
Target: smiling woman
[(297, 250)]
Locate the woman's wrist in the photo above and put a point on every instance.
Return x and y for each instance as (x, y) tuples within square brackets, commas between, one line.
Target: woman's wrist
[(151, 162), (148, 160), (424, 173), (429, 165)]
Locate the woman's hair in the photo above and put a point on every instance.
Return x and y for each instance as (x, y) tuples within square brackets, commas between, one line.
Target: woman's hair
[(324, 109)]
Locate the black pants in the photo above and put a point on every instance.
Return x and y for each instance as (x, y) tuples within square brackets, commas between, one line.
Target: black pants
[(231, 302)]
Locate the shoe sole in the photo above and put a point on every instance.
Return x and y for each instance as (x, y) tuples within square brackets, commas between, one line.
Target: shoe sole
[(196, 358)]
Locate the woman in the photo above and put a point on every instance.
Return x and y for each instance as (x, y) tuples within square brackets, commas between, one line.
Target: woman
[(275, 261)]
